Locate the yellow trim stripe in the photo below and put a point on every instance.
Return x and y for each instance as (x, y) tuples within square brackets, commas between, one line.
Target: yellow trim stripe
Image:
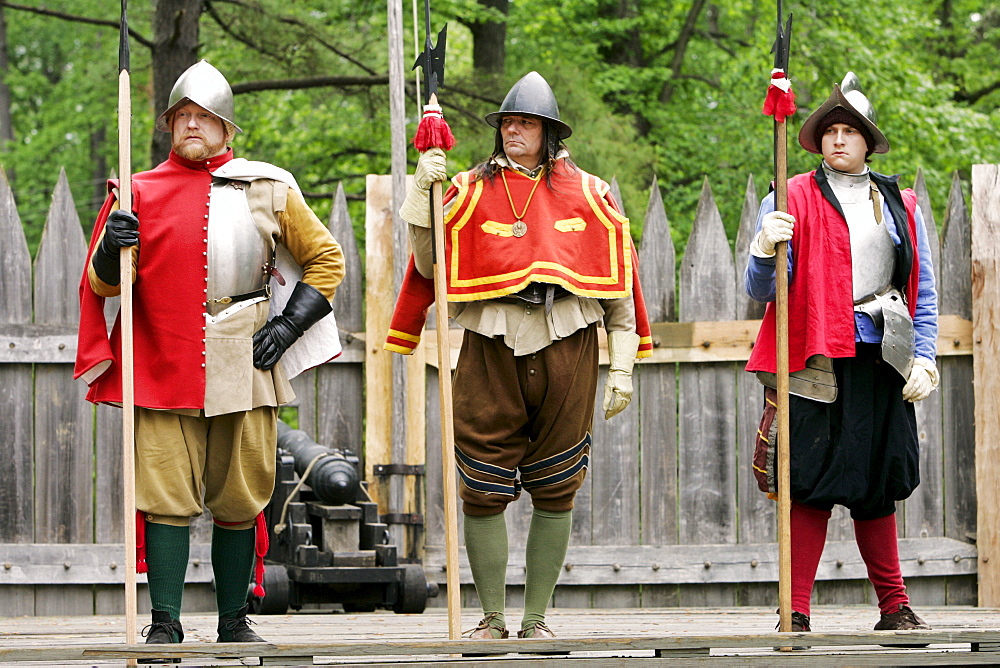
[(396, 334), (393, 348)]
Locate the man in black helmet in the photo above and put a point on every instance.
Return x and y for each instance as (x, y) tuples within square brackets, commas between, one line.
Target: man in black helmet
[(863, 317), (537, 254)]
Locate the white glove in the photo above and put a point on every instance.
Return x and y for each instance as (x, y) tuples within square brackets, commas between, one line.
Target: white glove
[(774, 228), (622, 349), (923, 380), (432, 166)]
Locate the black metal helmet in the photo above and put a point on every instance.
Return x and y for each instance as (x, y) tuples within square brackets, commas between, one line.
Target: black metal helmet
[(531, 96)]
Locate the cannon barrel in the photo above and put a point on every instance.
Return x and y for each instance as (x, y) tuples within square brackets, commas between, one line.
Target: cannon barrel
[(334, 478)]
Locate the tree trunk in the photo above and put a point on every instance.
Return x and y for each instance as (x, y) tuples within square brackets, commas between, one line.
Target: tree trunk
[(489, 40), (175, 48)]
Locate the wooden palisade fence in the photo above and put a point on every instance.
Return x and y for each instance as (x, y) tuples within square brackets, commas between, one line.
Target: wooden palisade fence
[(669, 514)]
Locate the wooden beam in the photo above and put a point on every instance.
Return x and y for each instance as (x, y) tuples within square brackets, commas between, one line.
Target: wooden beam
[(380, 295), (985, 362), (84, 564), (600, 565), (724, 341)]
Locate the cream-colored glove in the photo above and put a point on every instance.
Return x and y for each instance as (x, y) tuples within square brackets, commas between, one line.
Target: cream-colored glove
[(776, 227), (923, 380), (622, 349), (432, 166)]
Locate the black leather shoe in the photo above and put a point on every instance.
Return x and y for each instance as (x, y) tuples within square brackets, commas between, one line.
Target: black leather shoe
[(236, 628), (904, 619), (163, 630)]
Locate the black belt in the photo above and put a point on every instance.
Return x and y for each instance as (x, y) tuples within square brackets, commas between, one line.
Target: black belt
[(262, 292), (537, 293)]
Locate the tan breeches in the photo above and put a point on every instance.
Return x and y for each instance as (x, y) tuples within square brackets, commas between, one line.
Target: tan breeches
[(227, 460)]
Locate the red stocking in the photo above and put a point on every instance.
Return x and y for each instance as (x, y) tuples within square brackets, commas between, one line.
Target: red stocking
[(808, 527), (877, 544)]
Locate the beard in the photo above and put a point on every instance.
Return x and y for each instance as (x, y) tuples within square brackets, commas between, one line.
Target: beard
[(198, 152)]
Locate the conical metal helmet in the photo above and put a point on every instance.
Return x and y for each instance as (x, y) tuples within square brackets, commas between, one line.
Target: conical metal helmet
[(849, 96), (205, 86), (531, 96)]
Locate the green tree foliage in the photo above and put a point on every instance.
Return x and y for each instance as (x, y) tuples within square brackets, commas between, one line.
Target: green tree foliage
[(651, 87)]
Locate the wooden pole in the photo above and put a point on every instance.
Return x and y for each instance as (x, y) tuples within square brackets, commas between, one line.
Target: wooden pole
[(128, 391), (781, 323), (449, 483)]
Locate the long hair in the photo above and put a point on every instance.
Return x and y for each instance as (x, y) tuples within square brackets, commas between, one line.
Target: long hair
[(488, 169)]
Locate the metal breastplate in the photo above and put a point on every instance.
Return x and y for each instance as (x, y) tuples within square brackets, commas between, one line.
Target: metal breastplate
[(873, 256), (237, 253)]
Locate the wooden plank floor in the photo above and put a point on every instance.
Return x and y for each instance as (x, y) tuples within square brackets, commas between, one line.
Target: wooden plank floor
[(736, 636)]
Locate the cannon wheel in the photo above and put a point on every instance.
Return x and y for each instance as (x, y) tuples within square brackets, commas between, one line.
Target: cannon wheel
[(277, 592), (412, 597)]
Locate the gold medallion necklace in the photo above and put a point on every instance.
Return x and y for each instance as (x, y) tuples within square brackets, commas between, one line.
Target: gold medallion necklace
[(520, 228)]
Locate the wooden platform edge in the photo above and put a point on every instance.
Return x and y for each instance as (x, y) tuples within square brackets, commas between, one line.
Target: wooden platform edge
[(981, 638)]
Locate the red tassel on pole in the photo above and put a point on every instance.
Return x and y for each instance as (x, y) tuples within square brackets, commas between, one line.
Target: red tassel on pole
[(433, 131), (780, 100), (140, 543)]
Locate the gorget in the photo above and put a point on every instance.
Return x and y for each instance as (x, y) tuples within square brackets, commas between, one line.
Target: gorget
[(873, 257)]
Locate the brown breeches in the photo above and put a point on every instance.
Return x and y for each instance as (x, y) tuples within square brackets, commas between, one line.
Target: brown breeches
[(524, 421)]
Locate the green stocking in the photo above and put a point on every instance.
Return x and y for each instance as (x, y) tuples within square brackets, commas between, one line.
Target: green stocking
[(167, 549), (232, 563), (548, 538), (486, 546)]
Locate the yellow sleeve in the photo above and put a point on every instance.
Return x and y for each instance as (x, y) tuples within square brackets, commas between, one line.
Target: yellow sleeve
[(312, 245)]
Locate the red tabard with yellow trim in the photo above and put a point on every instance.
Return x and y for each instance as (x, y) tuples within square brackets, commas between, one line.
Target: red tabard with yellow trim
[(572, 260), (573, 237), (171, 201)]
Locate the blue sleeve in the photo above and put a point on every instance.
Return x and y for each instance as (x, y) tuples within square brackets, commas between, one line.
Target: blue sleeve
[(925, 318), (758, 280)]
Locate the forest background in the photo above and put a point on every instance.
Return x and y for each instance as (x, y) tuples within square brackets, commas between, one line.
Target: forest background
[(652, 88)]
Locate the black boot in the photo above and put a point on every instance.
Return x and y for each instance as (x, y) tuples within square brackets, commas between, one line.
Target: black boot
[(236, 627), (163, 630)]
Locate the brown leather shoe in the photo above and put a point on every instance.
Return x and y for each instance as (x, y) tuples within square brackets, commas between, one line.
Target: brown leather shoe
[(539, 630), (800, 624), (484, 631), (904, 619)]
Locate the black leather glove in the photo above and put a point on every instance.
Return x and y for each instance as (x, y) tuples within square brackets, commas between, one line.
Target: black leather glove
[(305, 307), (121, 231)]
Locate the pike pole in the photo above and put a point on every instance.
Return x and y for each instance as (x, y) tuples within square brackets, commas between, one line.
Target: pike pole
[(780, 103), (128, 387), (433, 132)]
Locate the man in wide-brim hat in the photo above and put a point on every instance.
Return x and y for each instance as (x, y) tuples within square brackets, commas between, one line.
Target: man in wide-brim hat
[(862, 316), (537, 253)]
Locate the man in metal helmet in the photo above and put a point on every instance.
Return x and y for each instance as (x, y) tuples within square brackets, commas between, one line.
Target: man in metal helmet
[(862, 330), (214, 346), (538, 253)]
